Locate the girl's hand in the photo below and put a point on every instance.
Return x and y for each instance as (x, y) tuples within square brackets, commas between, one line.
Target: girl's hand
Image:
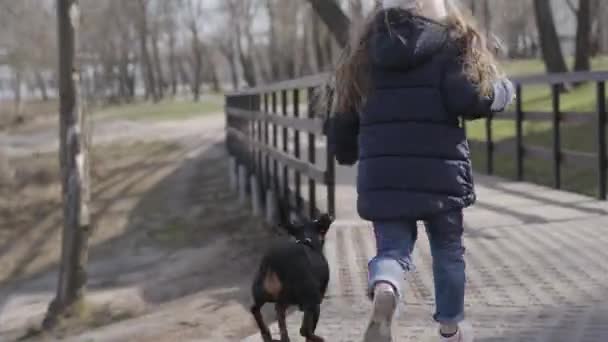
[(504, 94)]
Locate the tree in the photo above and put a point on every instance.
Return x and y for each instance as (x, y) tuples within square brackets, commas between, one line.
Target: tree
[(158, 65), (196, 59), (515, 24), (73, 157), (146, 61), (240, 12), (226, 48), (549, 41), (336, 20), (582, 57), (170, 11), (356, 10)]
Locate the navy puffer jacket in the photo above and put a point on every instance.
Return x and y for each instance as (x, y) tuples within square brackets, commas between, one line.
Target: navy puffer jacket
[(413, 154)]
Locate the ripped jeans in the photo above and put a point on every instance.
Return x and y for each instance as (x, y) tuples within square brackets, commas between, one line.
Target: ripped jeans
[(395, 242)]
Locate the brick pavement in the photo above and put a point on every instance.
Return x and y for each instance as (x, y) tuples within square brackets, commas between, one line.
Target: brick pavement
[(536, 265)]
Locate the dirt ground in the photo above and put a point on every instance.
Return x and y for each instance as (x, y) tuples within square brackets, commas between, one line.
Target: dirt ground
[(172, 255)]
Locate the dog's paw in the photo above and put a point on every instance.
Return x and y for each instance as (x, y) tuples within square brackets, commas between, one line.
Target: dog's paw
[(315, 339)]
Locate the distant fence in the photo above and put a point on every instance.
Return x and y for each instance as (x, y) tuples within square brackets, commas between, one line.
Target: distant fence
[(556, 155), (267, 128)]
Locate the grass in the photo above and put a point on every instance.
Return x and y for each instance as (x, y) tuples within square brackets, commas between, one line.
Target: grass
[(576, 137), (164, 110), (536, 66)]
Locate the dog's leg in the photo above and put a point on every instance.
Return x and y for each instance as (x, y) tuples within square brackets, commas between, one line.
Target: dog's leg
[(281, 309), (309, 323), (257, 315)]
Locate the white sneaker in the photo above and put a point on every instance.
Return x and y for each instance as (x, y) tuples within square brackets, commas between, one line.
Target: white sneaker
[(464, 334), (381, 321)]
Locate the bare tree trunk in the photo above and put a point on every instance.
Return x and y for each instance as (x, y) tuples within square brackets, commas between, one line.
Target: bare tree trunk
[(246, 58), (172, 62), (356, 10), (275, 72), (41, 85), (215, 80), (318, 43), (328, 48), (549, 41), (582, 60), (311, 40), (228, 53), (197, 62), (74, 170), (487, 19), (332, 15), (17, 100), (146, 63), (123, 68), (248, 70), (158, 67), (183, 73)]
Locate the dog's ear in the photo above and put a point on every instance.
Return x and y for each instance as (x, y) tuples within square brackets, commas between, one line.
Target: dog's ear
[(323, 223)]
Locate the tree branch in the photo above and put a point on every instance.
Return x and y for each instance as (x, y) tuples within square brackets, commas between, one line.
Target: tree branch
[(572, 7), (332, 15)]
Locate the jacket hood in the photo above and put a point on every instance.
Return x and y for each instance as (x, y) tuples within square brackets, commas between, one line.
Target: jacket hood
[(403, 41)]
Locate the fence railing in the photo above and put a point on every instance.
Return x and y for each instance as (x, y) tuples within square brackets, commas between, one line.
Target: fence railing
[(268, 126), (557, 155), (276, 132)]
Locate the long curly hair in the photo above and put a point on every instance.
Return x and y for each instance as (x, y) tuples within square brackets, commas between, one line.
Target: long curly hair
[(351, 80)]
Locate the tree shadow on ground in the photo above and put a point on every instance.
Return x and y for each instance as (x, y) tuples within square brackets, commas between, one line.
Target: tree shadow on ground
[(186, 237)]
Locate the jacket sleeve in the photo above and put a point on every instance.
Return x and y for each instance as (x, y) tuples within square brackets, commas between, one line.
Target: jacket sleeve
[(461, 96), (343, 136)]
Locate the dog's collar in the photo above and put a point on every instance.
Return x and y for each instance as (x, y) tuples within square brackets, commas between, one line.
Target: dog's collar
[(306, 242)]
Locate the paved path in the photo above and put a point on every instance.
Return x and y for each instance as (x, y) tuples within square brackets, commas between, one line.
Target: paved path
[(536, 263), (109, 130)]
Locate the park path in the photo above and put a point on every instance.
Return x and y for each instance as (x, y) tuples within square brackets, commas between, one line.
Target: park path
[(170, 259), (536, 266), (107, 130)]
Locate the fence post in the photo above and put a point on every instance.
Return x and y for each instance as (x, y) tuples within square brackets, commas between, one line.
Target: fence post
[(257, 106), (519, 129), (271, 207), (232, 174), (330, 176), (489, 146), (266, 176), (285, 135), (557, 155), (312, 157), (275, 145), (298, 178), (601, 135), (242, 184), (256, 195)]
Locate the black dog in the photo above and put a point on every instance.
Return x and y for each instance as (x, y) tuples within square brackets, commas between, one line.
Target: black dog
[(294, 273)]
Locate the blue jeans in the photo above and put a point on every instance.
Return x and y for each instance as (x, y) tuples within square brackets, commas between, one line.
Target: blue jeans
[(395, 242)]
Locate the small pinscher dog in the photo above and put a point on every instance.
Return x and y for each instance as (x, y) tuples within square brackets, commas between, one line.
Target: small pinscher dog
[(294, 273)]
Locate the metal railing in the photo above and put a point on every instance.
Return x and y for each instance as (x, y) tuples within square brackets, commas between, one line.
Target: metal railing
[(557, 155), (265, 130)]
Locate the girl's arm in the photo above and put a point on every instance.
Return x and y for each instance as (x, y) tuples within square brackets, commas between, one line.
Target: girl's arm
[(462, 97), (343, 135)]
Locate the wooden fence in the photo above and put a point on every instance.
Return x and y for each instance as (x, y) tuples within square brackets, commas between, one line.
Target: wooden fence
[(266, 128)]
